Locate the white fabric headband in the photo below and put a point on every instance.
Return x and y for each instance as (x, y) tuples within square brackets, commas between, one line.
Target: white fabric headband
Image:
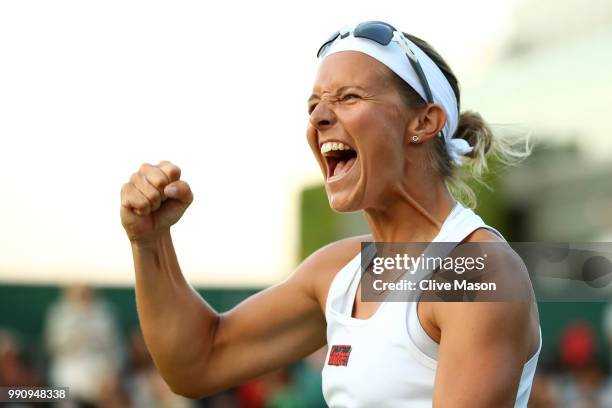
[(396, 60)]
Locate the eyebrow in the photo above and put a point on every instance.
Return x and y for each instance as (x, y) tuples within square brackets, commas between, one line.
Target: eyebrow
[(339, 90)]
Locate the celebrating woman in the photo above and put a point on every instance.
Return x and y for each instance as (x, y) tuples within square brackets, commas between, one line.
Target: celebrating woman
[(386, 129)]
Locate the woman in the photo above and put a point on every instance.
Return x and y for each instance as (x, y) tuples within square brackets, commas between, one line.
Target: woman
[(386, 131)]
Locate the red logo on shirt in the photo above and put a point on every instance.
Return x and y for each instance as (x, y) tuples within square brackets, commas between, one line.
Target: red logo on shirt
[(339, 355)]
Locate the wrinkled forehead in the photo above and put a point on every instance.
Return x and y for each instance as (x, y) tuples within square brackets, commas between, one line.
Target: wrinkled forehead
[(350, 68)]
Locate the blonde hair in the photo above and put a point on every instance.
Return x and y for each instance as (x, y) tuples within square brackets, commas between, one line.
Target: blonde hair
[(508, 150)]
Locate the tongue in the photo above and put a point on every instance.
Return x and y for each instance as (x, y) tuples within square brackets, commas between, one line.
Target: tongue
[(343, 167)]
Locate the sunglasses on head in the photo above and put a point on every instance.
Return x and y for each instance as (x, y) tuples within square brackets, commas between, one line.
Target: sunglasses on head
[(383, 34)]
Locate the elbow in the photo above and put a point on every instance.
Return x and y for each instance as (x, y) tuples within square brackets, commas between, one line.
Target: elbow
[(197, 386), (194, 382), (191, 391), (193, 379)]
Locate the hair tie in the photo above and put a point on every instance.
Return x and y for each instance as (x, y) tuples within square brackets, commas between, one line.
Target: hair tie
[(457, 148)]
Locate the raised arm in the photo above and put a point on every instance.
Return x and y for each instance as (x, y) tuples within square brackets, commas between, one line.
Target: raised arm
[(197, 350)]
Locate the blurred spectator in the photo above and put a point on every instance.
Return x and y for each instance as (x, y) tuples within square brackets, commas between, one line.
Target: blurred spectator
[(270, 390), (252, 394), (584, 382), (577, 346), (307, 384), (14, 370), (226, 399), (140, 364), (544, 391), (278, 392), (295, 387), (606, 394), (112, 393), (145, 386), (163, 397), (607, 330), (83, 342)]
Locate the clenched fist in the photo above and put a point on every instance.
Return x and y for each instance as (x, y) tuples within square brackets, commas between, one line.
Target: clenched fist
[(153, 200)]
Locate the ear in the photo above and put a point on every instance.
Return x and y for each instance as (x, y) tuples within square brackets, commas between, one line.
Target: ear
[(427, 123)]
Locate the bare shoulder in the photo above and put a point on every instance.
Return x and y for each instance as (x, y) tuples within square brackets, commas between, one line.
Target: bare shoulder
[(503, 262), (320, 268), (510, 316), (483, 235)]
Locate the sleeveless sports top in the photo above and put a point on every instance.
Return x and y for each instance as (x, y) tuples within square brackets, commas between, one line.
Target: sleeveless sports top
[(389, 360)]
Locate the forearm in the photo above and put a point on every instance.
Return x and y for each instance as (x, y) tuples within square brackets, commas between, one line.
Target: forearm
[(178, 326)]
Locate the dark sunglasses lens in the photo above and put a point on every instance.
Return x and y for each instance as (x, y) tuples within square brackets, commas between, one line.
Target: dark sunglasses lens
[(327, 43), (382, 33)]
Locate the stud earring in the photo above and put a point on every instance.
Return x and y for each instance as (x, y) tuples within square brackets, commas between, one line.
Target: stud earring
[(415, 138)]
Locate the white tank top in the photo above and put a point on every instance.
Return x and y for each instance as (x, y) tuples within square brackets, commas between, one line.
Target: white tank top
[(389, 360)]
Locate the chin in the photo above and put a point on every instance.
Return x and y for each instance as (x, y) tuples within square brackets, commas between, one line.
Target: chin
[(343, 202), (346, 194)]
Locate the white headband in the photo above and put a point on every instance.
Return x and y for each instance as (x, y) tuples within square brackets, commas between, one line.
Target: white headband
[(396, 60)]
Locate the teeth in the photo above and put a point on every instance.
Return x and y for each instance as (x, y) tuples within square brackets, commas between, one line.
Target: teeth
[(329, 146)]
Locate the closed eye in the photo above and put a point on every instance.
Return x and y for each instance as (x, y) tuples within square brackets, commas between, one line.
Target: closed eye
[(344, 98), (349, 97)]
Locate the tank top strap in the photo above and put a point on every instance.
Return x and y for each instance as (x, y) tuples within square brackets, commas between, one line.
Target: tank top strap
[(461, 225), (341, 292), (463, 222), (340, 287)]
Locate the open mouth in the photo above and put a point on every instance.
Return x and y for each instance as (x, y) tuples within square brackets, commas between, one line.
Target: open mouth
[(339, 158)]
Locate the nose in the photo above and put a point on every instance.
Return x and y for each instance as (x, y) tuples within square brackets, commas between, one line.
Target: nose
[(322, 117)]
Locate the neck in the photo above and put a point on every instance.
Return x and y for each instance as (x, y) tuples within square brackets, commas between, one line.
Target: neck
[(411, 216)]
